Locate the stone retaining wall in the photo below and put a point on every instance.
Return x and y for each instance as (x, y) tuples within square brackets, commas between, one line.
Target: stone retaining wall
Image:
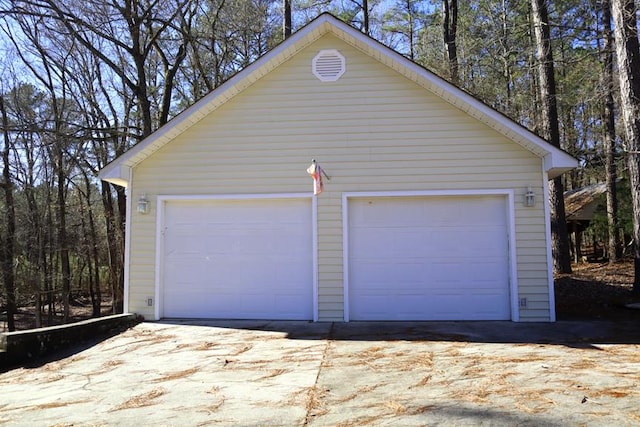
[(21, 346)]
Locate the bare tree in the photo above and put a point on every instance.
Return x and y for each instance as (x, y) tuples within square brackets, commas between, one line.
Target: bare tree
[(550, 130), (628, 58), (130, 30), (7, 252), (365, 16), (404, 22), (28, 111), (450, 30), (610, 134), (286, 25), (49, 72)]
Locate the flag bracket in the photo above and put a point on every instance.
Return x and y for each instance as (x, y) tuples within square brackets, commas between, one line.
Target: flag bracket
[(314, 165)]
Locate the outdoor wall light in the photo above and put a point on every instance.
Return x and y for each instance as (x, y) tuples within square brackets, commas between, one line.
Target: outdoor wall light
[(530, 198), (143, 204)]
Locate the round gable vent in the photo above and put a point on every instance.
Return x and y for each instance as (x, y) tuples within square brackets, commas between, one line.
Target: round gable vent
[(328, 65)]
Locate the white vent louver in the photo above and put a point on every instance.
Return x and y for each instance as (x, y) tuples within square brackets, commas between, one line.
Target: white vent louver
[(328, 65)]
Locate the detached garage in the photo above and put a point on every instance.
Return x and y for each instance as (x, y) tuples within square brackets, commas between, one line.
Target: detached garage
[(436, 207)]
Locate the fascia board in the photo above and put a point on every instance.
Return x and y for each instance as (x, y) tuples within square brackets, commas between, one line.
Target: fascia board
[(555, 159), (216, 98), (116, 173)]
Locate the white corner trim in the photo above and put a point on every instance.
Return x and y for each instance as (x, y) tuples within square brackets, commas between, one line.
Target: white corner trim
[(510, 210), (314, 254), (513, 257), (127, 247), (547, 236), (345, 256), (158, 300), (160, 227)]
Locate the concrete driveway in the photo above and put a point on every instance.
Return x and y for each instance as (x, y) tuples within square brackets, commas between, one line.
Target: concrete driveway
[(248, 373)]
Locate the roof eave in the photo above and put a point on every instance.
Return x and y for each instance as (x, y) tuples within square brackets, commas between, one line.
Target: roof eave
[(557, 162), (116, 173), (218, 96)]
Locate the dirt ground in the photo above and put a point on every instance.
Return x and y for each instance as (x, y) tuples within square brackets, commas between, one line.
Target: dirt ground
[(594, 291), (80, 309)]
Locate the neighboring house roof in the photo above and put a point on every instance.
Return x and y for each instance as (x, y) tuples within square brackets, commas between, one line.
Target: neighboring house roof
[(580, 204), (556, 161)]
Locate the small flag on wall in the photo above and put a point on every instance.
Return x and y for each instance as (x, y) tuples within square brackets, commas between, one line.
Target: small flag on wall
[(316, 173)]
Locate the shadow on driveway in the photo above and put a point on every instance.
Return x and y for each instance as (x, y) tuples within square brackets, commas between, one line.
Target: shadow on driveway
[(575, 334), (246, 373)]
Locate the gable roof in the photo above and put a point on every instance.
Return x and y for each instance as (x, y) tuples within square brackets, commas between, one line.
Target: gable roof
[(556, 161), (580, 204)]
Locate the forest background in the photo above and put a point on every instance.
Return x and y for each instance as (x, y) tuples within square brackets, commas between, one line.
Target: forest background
[(81, 82)]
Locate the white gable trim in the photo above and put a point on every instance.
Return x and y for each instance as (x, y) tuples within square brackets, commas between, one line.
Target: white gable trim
[(556, 161)]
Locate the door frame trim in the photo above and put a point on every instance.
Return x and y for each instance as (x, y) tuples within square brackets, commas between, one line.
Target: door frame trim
[(508, 195), (162, 201)]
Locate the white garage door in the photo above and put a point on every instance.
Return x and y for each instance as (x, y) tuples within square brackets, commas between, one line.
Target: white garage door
[(238, 259), (428, 258)]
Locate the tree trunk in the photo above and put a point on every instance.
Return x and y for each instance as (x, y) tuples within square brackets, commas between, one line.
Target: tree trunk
[(411, 31), (610, 136), (61, 216), (365, 16), (8, 255), (48, 259), (97, 303), (550, 130), (449, 30), (628, 56), (114, 220), (286, 26), (94, 257)]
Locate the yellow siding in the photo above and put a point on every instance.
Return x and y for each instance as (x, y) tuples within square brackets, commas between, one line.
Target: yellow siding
[(372, 130)]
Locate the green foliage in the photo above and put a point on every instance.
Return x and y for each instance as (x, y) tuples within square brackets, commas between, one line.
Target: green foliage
[(598, 227)]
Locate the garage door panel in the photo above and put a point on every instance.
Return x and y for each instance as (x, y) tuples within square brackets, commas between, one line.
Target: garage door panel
[(184, 243), (408, 242), (174, 270), (428, 258), (381, 274), (238, 259), (486, 272)]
